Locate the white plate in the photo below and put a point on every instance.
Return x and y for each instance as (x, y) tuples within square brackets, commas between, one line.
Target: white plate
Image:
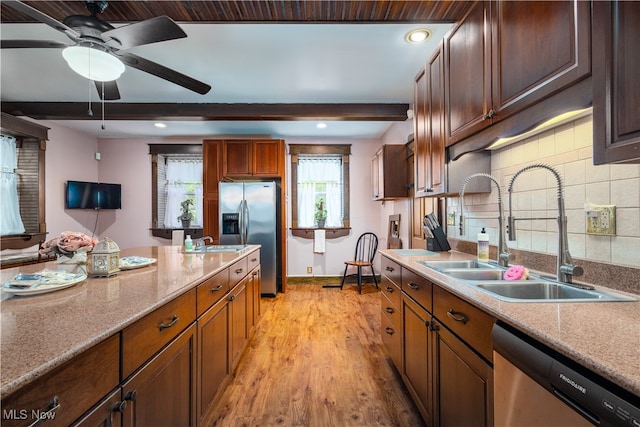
[(44, 282), (131, 262)]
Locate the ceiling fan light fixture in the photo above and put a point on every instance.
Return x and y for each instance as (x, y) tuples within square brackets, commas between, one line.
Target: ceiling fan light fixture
[(92, 63)]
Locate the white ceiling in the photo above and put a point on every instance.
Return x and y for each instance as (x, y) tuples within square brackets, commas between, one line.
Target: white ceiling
[(244, 63)]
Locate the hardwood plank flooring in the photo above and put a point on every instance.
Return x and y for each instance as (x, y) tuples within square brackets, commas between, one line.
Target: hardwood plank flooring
[(317, 359)]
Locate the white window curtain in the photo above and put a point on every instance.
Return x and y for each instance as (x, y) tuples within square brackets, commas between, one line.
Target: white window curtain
[(184, 179), (10, 220), (311, 172)]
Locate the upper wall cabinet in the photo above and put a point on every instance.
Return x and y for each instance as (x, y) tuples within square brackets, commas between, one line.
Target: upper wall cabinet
[(253, 157), (616, 82), (387, 180), (505, 56)]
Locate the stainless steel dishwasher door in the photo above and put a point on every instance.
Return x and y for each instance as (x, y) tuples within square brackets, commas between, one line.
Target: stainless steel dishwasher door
[(520, 401)]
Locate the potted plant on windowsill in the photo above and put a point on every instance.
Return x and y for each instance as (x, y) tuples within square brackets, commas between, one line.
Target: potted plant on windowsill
[(186, 215), (321, 214)]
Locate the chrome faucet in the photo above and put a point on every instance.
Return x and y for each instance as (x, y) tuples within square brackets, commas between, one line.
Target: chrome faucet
[(503, 250), (565, 269), (200, 243)]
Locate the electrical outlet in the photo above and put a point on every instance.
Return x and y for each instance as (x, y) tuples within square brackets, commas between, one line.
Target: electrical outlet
[(451, 218), (601, 219), (309, 270)]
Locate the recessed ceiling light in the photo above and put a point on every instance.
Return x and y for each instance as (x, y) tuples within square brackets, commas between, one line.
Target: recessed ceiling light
[(160, 125), (321, 125), (418, 35)]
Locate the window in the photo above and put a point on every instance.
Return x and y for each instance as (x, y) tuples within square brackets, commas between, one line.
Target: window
[(176, 176), (319, 187), (11, 222)]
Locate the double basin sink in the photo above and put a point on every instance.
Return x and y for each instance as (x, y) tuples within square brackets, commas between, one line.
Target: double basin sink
[(489, 278)]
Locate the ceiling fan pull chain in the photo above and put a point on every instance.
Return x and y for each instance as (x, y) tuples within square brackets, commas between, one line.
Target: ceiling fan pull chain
[(89, 112), (102, 126)]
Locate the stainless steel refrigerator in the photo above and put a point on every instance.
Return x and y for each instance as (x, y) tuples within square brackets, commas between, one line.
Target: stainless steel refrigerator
[(249, 216)]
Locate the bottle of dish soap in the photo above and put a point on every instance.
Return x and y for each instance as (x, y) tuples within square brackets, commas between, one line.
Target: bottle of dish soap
[(188, 243), (483, 246)]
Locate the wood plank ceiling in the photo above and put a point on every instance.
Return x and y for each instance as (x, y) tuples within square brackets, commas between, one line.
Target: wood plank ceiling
[(258, 11)]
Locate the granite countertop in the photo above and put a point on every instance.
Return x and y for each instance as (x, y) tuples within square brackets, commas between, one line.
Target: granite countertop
[(601, 336), (41, 332)]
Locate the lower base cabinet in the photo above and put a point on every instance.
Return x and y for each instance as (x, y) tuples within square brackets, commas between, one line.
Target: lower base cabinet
[(107, 413), (163, 391)]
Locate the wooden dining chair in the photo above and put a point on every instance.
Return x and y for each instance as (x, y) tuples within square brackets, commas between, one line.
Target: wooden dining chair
[(366, 248)]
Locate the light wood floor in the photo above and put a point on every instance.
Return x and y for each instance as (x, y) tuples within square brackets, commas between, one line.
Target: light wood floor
[(317, 359)]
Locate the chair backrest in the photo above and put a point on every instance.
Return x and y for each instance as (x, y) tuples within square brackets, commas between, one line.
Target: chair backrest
[(366, 247)]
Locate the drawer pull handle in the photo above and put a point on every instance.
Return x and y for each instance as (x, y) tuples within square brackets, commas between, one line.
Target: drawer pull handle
[(388, 289), (389, 310), (389, 268), (174, 320), (414, 286), (389, 330), (458, 317), (254, 259), (239, 270), (53, 406), (216, 289)]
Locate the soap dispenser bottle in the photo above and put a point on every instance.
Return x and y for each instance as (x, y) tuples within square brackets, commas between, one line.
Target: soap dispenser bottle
[(188, 243), (483, 246)]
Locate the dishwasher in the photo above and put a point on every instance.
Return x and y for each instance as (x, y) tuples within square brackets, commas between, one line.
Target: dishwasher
[(535, 386)]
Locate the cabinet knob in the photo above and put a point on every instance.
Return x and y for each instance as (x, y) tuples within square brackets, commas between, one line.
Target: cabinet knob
[(389, 289), (120, 406), (491, 114), (131, 395)]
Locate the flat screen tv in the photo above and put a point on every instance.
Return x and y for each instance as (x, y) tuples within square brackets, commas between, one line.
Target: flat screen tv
[(93, 195)]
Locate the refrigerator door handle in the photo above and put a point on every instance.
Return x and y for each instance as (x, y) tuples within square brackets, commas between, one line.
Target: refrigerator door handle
[(245, 222)]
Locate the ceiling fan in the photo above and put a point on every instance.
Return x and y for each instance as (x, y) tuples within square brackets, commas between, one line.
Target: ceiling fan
[(99, 49)]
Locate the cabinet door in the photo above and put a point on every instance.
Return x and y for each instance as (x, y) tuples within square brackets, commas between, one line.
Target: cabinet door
[(107, 414), (376, 176), (212, 174), (236, 158), (463, 380), (616, 82), (468, 72), (239, 330), (213, 355), (421, 154), (267, 157), (253, 300), (163, 392), (436, 114), (539, 47), (417, 356)]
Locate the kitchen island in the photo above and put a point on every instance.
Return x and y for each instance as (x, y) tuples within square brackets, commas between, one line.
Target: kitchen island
[(599, 336), (43, 335)]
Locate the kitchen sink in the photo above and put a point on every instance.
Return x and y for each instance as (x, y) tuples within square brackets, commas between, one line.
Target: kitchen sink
[(474, 273), (216, 249), (445, 265), (545, 291)]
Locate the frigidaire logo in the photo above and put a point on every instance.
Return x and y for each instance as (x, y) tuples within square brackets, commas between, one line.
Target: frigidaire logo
[(572, 383)]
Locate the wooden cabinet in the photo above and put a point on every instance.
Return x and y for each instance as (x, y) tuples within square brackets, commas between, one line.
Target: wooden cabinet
[(386, 182), (107, 413), (616, 82), (463, 388), (212, 174), (505, 56), (163, 392), (253, 302), (69, 391), (238, 329), (253, 157), (391, 316), (429, 138)]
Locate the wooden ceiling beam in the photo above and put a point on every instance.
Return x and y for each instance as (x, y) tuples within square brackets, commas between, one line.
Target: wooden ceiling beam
[(208, 111)]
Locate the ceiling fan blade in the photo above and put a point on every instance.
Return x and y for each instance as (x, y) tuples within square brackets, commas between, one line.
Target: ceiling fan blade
[(34, 44), (44, 18), (152, 30), (164, 72), (111, 92)]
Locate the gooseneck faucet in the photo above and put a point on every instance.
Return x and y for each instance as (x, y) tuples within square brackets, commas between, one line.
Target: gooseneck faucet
[(503, 250), (565, 269)]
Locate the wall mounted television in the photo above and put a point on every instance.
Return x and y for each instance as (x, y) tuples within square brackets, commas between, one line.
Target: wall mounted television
[(93, 195)]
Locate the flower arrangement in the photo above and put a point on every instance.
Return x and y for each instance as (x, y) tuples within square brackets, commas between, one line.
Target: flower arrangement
[(68, 243), (321, 213)]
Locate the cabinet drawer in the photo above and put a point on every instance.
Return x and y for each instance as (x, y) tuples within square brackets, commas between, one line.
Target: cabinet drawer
[(237, 271), (253, 260), (390, 290), (74, 387), (212, 290), (418, 288), (391, 310), (148, 335), (392, 270), (392, 340), (468, 322)]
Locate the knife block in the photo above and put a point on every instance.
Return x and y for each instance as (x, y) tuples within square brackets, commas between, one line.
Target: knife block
[(439, 242)]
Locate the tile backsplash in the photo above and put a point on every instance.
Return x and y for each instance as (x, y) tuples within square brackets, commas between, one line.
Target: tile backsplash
[(568, 149)]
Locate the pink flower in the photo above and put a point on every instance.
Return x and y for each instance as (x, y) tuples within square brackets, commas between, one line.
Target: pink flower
[(68, 243)]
